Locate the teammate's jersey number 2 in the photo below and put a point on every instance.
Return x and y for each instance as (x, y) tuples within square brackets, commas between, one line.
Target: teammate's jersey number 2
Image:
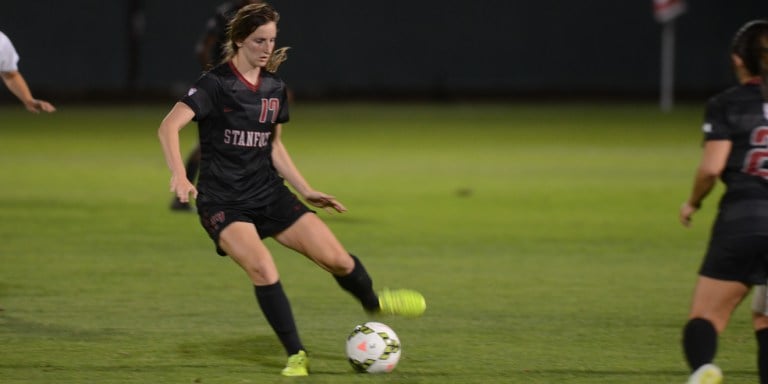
[(755, 163)]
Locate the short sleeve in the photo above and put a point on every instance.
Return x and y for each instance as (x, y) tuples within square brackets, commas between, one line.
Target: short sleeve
[(200, 97), (9, 59), (283, 116), (715, 125)]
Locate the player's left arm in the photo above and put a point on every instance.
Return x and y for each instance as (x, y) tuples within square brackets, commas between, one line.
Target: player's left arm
[(285, 166), (712, 164)]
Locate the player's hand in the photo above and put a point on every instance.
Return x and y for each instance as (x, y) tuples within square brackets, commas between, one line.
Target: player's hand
[(686, 211), (183, 188), (36, 106), (322, 200)]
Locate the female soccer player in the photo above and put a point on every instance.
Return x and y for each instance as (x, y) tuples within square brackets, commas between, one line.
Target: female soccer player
[(735, 150), (209, 51), (240, 107)]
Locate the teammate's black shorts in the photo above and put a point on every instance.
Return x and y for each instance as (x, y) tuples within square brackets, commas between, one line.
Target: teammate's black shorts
[(269, 219), (738, 249), (737, 258)]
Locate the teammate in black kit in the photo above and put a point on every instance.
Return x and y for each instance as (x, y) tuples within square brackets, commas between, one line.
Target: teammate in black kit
[(210, 47), (240, 107), (210, 51), (736, 151)]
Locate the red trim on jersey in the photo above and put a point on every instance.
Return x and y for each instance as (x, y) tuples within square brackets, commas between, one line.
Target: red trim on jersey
[(757, 80), (252, 87)]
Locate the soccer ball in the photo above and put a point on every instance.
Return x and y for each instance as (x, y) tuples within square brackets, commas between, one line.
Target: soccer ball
[(373, 348)]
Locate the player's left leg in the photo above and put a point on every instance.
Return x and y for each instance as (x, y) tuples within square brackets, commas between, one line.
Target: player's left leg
[(311, 237)]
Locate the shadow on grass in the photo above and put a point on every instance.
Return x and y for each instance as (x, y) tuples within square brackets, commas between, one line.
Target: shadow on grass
[(263, 350), (18, 326), (258, 349)]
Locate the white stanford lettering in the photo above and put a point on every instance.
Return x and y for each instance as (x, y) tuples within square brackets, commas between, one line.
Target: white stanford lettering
[(246, 138)]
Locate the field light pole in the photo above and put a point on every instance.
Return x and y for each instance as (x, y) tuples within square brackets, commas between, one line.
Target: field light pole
[(665, 12), (667, 86)]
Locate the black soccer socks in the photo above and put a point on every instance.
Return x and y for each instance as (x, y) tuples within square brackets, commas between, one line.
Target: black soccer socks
[(762, 354), (360, 285), (699, 342), (277, 310)]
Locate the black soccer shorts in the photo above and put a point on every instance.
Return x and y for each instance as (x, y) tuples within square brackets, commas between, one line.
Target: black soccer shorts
[(737, 258), (738, 247), (269, 220)]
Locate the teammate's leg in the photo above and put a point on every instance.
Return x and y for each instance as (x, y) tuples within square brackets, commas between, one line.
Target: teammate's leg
[(712, 305), (192, 166), (760, 323)]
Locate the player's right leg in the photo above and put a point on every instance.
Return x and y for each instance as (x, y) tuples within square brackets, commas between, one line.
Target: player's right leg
[(242, 243), (298, 365)]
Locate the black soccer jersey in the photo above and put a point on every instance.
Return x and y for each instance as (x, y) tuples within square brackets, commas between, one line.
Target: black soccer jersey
[(236, 122), (740, 115)]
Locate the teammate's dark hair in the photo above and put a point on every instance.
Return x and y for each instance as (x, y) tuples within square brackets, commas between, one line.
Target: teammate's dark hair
[(751, 45), (248, 19)]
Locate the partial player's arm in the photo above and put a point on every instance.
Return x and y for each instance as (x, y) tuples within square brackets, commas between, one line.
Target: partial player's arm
[(284, 164), (711, 166), (168, 133), (18, 86)]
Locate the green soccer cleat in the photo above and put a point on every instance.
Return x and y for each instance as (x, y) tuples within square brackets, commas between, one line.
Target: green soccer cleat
[(706, 374), (298, 365), (401, 302)]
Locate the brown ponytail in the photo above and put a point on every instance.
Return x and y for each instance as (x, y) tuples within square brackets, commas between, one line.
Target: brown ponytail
[(277, 58)]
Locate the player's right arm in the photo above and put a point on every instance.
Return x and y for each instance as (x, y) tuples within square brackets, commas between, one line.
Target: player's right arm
[(18, 86), (168, 133)]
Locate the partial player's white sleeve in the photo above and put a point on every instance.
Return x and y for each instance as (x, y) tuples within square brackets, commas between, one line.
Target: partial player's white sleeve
[(9, 59)]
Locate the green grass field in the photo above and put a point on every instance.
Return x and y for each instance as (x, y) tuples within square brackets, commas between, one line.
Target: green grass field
[(545, 239)]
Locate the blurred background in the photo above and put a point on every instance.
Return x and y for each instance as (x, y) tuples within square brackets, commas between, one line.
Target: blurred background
[(95, 50)]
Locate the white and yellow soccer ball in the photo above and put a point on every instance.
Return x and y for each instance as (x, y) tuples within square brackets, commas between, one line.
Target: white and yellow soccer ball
[(373, 348)]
